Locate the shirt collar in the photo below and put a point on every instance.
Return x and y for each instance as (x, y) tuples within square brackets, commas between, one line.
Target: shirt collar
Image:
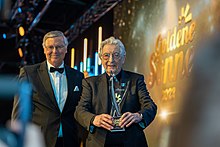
[(118, 76), (50, 65)]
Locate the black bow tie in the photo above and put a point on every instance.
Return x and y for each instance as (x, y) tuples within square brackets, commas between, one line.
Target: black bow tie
[(60, 70)]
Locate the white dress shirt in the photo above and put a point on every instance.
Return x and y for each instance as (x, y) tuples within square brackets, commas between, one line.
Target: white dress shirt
[(59, 84)]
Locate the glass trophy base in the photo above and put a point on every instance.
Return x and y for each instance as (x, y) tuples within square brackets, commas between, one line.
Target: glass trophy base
[(117, 128)]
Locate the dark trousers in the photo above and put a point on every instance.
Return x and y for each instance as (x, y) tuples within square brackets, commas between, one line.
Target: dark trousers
[(59, 142), (115, 139)]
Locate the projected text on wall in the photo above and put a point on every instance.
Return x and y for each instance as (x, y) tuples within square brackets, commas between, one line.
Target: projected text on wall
[(171, 58)]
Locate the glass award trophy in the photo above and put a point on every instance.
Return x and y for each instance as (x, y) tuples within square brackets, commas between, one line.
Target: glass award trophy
[(117, 114)]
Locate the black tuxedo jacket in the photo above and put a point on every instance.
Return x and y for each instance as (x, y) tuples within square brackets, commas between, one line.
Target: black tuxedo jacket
[(45, 110), (95, 101)]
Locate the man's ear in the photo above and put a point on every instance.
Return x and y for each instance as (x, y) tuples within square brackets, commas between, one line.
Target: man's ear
[(44, 51), (123, 61)]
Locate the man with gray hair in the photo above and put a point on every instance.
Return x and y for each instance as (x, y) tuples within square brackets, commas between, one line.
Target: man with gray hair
[(56, 92), (115, 106)]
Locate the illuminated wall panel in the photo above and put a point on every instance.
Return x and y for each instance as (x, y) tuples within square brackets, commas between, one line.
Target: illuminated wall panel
[(161, 38)]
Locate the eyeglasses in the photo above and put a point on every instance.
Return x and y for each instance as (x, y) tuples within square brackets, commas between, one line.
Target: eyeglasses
[(58, 47), (115, 55)]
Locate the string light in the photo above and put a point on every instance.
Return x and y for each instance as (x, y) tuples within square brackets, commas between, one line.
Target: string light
[(85, 53), (72, 57)]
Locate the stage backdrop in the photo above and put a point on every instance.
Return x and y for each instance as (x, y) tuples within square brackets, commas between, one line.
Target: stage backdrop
[(161, 38)]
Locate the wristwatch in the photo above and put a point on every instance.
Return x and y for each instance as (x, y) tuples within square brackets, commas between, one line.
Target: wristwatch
[(92, 126), (142, 122), (141, 115)]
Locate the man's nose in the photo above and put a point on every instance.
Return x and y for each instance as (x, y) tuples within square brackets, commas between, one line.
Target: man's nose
[(110, 58), (54, 49)]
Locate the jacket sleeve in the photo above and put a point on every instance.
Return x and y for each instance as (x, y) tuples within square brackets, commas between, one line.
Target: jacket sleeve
[(15, 110), (148, 107), (83, 111)]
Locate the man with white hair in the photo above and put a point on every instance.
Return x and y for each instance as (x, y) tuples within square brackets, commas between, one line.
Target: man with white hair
[(115, 106)]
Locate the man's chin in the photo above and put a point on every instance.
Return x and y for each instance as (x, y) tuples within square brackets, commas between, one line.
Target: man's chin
[(55, 62), (111, 70)]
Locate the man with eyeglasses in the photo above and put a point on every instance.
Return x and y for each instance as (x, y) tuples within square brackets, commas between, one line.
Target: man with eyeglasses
[(115, 107), (56, 92)]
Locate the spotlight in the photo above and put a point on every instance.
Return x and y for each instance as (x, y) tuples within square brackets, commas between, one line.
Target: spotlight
[(20, 52), (19, 10), (164, 114), (21, 30), (4, 36)]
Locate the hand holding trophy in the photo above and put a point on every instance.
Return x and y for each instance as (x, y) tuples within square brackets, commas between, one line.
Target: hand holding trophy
[(116, 112)]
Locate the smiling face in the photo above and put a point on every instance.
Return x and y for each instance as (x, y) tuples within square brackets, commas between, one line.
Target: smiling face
[(55, 50), (111, 58)]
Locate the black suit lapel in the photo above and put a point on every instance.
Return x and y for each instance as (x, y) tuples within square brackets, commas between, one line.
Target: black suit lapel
[(125, 80), (103, 92), (70, 85), (45, 79)]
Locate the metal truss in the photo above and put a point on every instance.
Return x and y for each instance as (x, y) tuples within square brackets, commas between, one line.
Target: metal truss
[(26, 13), (97, 10)]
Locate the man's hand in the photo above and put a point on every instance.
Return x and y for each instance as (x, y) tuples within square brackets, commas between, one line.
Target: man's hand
[(104, 121), (129, 118)]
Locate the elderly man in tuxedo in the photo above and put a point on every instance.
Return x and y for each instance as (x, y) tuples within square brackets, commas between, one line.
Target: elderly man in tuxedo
[(115, 106), (55, 95)]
